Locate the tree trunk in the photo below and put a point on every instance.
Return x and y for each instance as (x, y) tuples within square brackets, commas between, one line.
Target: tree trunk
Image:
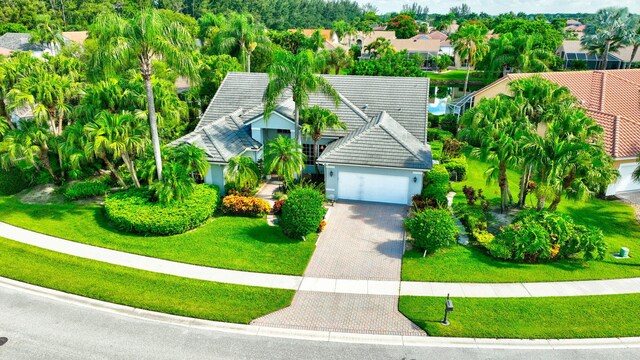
[(541, 201), (44, 159), (524, 186), (60, 123), (249, 61), (633, 55), (605, 55), (114, 171), (555, 202), (153, 121), (132, 169), (337, 69), (466, 79), (316, 152), (504, 188), (297, 118)]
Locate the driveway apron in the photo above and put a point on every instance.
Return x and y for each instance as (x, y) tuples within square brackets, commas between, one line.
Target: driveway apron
[(361, 242)]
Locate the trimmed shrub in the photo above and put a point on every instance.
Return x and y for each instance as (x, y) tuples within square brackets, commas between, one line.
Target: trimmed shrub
[(436, 149), (12, 181), (302, 212), (436, 185), (86, 189), (245, 206), (434, 120), (133, 211), (457, 168), (432, 229), (449, 122), (544, 235), (438, 134)]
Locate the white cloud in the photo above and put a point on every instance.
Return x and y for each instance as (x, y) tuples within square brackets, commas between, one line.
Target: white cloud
[(500, 6)]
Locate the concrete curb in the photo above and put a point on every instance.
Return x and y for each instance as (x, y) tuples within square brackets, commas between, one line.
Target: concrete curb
[(325, 336)]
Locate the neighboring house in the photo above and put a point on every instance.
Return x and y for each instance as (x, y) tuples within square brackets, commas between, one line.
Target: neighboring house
[(10, 42), (77, 37), (571, 51), (331, 40), (421, 44), (381, 157), (612, 98), (21, 114)]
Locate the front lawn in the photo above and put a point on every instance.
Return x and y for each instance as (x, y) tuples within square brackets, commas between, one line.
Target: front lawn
[(528, 318), (455, 76), (472, 264), (138, 288), (236, 243)]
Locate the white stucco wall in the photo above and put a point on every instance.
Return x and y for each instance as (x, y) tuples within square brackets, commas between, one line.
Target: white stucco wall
[(331, 182), (215, 176)]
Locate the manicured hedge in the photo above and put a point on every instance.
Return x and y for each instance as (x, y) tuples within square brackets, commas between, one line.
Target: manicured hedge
[(302, 212), (245, 206), (134, 211), (438, 134), (12, 181), (457, 168), (436, 185), (84, 190), (432, 229)]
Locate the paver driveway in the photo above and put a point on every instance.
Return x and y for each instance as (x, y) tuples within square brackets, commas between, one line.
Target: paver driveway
[(362, 241)]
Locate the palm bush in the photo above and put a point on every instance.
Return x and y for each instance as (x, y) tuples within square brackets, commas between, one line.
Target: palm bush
[(243, 172), (284, 157)]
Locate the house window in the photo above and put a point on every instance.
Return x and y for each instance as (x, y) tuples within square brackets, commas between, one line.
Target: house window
[(283, 132), (307, 149)]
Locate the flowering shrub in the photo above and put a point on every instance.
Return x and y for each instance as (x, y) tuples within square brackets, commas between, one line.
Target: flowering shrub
[(323, 224), (245, 206)]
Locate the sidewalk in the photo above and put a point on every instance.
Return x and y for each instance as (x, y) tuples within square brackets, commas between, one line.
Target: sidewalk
[(320, 284)]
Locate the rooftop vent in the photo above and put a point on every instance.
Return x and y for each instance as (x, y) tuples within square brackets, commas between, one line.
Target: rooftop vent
[(365, 107)]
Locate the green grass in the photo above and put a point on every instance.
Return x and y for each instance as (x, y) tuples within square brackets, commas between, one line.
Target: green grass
[(138, 288), (472, 264), (225, 242), (528, 318), (455, 75)]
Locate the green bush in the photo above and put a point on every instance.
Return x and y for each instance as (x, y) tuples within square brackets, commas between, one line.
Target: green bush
[(302, 212), (474, 221), (434, 120), (536, 236), (432, 229), (133, 211), (449, 122), (457, 168), (84, 190), (438, 134), (436, 185), (12, 181)]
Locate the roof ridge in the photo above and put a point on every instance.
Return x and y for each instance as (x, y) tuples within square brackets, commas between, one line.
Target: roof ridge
[(623, 79), (214, 142), (382, 125), (353, 136)]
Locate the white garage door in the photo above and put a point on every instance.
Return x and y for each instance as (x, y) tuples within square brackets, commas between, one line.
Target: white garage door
[(626, 183), (375, 188)]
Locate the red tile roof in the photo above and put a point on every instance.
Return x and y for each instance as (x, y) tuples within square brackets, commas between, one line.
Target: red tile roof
[(611, 97)]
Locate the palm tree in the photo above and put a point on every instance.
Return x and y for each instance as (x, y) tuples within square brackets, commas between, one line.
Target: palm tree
[(470, 42), (516, 51), (12, 70), (498, 129), (124, 42), (47, 32), (636, 172), (297, 73), (104, 139), (315, 121), (339, 59), (380, 46), (284, 157), (609, 29), (29, 146), (241, 36), (242, 171), (634, 41)]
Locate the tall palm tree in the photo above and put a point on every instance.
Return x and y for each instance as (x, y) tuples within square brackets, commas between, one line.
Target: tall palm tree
[(242, 171), (339, 59), (241, 36), (47, 32), (609, 29), (380, 46), (470, 42), (296, 73), (634, 41), (284, 156), (123, 43), (316, 121)]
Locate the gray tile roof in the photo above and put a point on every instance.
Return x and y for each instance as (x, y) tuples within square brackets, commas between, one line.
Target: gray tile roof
[(19, 42), (222, 139), (389, 112), (382, 142), (405, 99)]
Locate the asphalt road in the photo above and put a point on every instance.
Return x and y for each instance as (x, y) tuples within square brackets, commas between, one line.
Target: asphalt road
[(36, 327)]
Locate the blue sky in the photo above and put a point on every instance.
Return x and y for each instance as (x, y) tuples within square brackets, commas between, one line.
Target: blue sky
[(500, 6)]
